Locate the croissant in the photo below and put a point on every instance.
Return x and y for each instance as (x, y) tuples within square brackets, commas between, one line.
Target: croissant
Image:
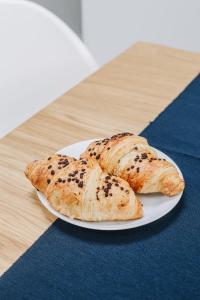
[(41, 172), (133, 159), (83, 191)]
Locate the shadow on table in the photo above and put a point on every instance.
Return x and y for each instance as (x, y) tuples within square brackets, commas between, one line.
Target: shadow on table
[(121, 236)]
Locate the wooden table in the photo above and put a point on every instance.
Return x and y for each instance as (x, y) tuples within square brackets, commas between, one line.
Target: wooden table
[(124, 95)]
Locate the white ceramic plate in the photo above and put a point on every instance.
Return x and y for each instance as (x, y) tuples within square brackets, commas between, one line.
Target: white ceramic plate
[(155, 205)]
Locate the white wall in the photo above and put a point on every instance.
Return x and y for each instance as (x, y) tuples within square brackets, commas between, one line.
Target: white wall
[(110, 26), (67, 10)]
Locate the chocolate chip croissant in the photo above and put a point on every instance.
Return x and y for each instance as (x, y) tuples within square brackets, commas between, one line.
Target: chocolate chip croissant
[(83, 191), (41, 172), (133, 159)]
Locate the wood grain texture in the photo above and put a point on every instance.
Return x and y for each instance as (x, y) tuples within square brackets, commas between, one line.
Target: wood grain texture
[(124, 95)]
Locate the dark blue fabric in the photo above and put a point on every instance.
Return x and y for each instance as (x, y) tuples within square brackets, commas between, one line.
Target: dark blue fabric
[(158, 261)]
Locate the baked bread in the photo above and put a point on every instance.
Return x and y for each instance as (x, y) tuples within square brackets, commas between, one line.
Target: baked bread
[(133, 159), (41, 172), (83, 191)]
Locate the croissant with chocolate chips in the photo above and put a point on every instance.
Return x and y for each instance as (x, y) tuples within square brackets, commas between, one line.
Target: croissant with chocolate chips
[(81, 190), (41, 172), (132, 158)]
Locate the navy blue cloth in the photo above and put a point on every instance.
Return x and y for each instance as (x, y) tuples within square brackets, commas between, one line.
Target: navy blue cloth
[(157, 261)]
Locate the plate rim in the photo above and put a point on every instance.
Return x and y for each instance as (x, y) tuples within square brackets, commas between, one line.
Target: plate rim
[(96, 225)]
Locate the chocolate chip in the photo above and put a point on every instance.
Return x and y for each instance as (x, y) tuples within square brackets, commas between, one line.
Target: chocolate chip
[(49, 158), (98, 156), (116, 184), (77, 180), (132, 167), (81, 175), (59, 180), (63, 181), (144, 156), (109, 185), (69, 179), (50, 166), (128, 169), (122, 188), (108, 148), (107, 177), (80, 184), (110, 194), (105, 140), (52, 172), (137, 157), (48, 181), (138, 170)]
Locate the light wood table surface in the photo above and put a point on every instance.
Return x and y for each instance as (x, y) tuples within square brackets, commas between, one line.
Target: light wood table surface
[(124, 95)]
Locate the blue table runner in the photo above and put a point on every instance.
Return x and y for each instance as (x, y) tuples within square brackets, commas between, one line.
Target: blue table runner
[(158, 261)]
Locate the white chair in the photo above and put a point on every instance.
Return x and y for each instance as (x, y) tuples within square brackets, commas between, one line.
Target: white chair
[(40, 59)]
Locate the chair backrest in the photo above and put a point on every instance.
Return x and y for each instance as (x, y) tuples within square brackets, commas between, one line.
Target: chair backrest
[(40, 59)]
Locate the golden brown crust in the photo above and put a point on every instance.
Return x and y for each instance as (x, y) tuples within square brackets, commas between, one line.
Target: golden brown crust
[(85, 192), (82, 190), (41, 172), (131, 158)]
